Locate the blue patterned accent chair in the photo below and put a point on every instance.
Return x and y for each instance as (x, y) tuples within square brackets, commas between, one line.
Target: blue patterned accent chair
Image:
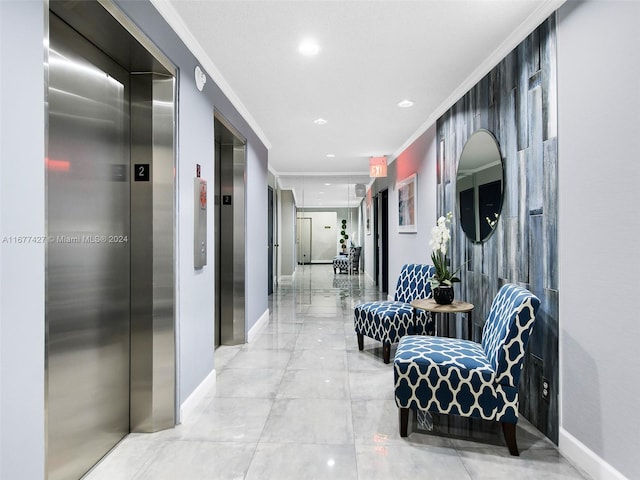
[(348, 263), (340, 264), (461, 377), (388, 321)]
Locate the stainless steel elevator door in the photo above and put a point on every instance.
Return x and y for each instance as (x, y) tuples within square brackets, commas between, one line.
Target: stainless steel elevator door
[(88, 259)]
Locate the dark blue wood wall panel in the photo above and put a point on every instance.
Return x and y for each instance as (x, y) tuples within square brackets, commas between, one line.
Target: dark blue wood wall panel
[(516, 101)]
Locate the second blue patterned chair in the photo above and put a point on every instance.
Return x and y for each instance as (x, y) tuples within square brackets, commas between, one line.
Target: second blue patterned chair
[(388, 321), (461, 377)]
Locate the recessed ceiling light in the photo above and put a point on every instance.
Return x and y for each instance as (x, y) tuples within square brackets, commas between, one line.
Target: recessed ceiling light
[(330, 155), (405, 103), (309, 47), (327, 184), (320, 121)]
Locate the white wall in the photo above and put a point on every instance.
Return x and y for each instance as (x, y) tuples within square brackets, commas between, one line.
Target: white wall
[(323, 240), (599, 227), (419, 158), (22, 204)]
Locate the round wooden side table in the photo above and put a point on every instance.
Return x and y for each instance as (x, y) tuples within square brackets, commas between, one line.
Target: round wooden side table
[(430, 305)]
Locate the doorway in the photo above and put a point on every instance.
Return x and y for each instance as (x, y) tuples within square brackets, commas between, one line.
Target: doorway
[(381, 236), (304, 240), (110, 351), (376, 239), (384, 239), (270, 237)]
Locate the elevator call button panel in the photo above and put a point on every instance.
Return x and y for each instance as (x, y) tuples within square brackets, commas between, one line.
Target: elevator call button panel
[(200, 223)]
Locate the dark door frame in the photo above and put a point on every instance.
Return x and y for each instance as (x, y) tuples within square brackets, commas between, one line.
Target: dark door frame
[(376, 247), (384, 239), (270, 205)]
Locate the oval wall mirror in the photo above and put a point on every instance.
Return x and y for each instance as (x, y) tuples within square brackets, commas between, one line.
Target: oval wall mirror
[(479, 186)]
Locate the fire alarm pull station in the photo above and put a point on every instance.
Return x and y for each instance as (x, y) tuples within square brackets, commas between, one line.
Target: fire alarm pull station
[(200, 223)]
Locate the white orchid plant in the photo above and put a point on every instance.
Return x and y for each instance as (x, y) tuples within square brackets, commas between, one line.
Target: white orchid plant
[(440, 237)]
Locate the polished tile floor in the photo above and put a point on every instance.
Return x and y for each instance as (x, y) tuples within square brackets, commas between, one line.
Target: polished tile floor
[(301, 402)]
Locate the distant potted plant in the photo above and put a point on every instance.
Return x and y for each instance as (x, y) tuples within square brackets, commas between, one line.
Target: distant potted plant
[(345, 237)]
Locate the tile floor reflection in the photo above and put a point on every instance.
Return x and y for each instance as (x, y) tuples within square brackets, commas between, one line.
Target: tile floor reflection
[(301, 402)]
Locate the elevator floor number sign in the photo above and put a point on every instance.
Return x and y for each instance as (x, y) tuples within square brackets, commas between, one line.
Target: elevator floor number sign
[(141, 172)]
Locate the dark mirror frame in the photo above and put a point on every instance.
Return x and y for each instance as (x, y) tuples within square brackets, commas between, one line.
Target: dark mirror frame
[(480, 185)]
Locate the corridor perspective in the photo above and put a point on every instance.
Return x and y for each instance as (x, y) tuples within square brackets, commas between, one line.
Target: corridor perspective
[(301, 402), (182, 181)]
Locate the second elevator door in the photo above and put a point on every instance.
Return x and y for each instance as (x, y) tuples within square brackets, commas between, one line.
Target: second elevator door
[(88, 254)]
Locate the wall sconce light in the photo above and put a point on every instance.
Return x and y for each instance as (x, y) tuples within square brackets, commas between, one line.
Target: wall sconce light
[(378, 166)]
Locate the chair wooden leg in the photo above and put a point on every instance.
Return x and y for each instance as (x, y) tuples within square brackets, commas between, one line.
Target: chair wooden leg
[(360, 341), (509, 430), (386, 352), (404, 421)]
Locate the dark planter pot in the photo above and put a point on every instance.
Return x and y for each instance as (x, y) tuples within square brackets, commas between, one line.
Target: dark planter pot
[(443, 295)]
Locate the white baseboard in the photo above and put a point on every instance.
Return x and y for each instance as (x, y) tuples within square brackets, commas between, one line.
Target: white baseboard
[(366, 274), (188, 406), (579, 454), (257, 328), (286, 278)]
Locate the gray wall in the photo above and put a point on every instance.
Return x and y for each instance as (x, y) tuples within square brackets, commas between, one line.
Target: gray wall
[(515, 101), (22, 204), (599, 118), (256, 264)]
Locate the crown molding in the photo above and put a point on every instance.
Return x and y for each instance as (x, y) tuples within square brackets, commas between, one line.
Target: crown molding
[(533, 21), (174, 20)]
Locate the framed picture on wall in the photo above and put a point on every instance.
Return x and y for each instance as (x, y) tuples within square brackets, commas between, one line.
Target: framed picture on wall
[(407, 205)]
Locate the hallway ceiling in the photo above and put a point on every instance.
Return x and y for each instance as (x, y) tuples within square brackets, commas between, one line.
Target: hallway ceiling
[(372, 54)]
